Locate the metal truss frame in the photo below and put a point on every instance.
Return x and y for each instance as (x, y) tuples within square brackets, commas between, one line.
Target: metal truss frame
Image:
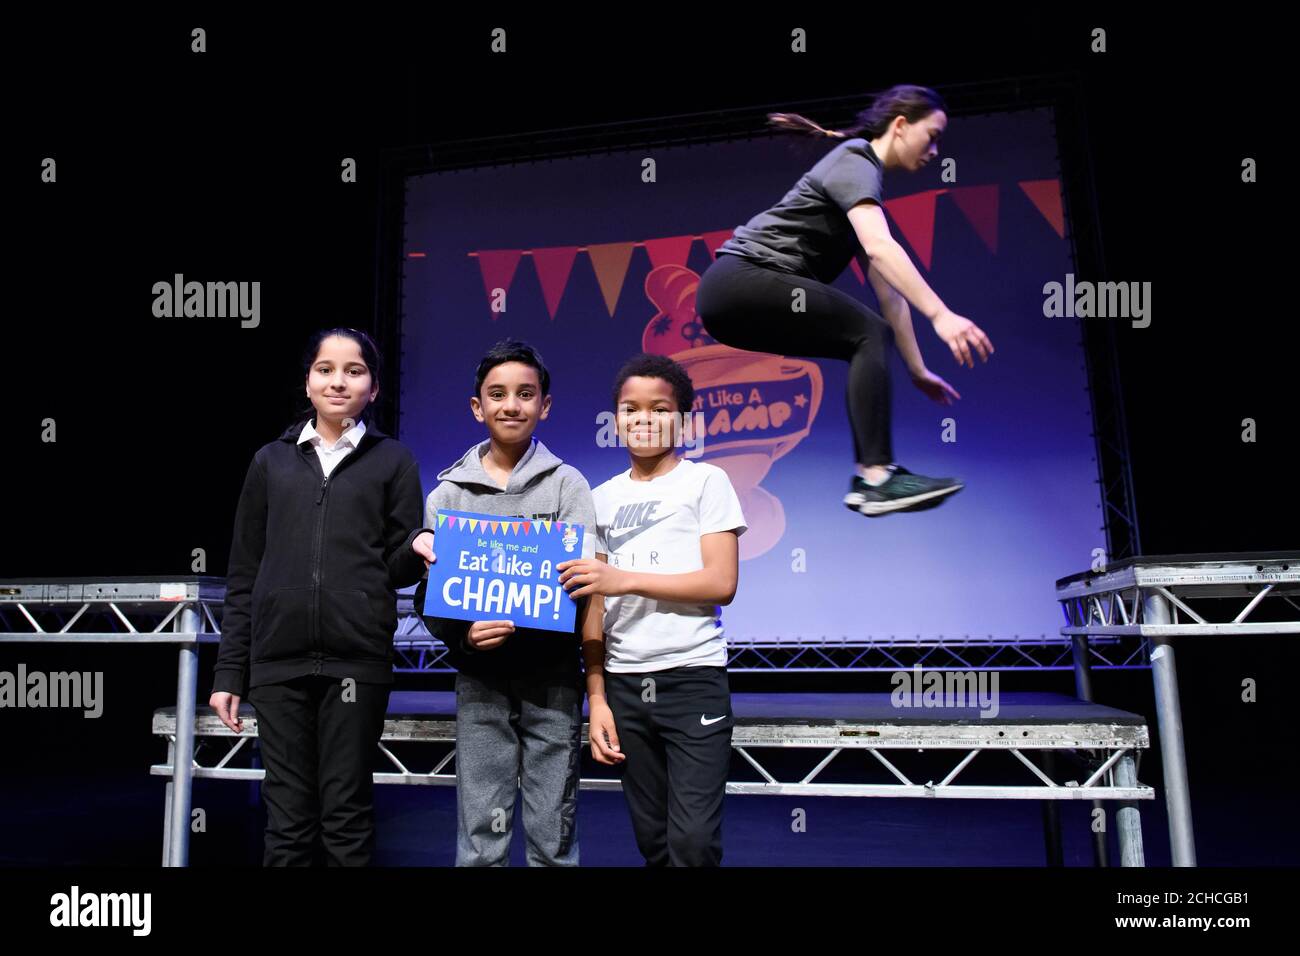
[(1109, 756), (1159, 597), (1156, 599), (123, 612), (418, 651), (128, 610), (186, 611)]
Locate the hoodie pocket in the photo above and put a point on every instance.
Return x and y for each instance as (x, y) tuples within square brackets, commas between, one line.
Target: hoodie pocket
[(281, 624), (349, 626)]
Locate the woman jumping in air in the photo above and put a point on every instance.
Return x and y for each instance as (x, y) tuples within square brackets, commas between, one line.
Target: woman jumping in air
[(746, 298)]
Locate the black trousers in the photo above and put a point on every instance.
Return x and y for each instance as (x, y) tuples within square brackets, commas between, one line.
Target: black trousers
[(318, 737), (674, 726), (748, 306)]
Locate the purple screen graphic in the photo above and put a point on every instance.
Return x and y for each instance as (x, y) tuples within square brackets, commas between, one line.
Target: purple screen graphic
[(981, 565)]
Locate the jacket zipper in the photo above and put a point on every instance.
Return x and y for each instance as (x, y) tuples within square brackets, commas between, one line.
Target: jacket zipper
[(317, 558)]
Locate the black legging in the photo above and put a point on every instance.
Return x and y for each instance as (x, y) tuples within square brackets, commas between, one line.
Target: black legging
[(748, 306)]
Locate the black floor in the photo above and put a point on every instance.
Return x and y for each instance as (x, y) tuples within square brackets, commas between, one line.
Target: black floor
[(116, 819)]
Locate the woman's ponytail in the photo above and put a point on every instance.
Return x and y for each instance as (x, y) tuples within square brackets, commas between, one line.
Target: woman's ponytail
[(802, 124), (913, 103)]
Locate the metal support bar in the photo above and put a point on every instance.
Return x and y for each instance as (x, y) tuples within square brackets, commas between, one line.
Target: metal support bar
[(1169, 727), (187, 677), (1128, 822)]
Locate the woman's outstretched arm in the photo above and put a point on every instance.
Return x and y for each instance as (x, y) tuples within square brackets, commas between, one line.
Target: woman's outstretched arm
[(962, 336), (890, 261), (894, 309)]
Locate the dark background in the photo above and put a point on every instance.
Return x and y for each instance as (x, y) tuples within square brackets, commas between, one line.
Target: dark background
[(226, 165)]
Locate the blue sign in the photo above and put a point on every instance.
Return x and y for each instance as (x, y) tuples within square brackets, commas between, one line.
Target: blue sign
[(491, 568)]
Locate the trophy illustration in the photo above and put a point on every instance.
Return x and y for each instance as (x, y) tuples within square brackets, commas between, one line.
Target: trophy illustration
[(755, 407)]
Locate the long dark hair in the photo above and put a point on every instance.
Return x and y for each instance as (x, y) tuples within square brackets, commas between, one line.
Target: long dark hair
[(914, 103), (369, 355)]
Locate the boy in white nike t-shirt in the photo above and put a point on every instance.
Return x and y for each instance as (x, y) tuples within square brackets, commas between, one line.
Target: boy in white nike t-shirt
[(667, 557)]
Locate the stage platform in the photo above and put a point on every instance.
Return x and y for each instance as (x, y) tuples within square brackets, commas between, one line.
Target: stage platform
[(1101, 745), (1146, 601)]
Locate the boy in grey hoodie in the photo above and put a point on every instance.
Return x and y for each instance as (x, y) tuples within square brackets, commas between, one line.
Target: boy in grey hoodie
[(518, 690)]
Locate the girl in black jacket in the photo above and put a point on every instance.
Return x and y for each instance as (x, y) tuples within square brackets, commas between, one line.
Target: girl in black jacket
[(319, 546)]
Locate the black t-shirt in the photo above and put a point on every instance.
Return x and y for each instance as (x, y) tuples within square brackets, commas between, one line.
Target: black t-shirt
[(808, 232)]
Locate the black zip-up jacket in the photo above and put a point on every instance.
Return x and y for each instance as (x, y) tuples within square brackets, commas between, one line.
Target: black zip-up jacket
[(314, 563)]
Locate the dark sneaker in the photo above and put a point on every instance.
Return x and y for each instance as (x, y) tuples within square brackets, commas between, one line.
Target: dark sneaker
[(902, 491)]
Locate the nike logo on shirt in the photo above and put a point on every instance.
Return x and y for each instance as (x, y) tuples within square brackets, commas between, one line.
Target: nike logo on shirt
[(711, 720), (616, 541)]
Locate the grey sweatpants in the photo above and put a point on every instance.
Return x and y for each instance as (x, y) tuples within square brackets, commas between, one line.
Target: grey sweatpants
[(517, 736)]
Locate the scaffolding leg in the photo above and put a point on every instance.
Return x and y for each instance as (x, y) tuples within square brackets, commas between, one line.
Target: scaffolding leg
[(1082, 667), (1128, 822), (167, 805), (1051, 817), (187, 677), (1083, 690), (1169, 721)]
